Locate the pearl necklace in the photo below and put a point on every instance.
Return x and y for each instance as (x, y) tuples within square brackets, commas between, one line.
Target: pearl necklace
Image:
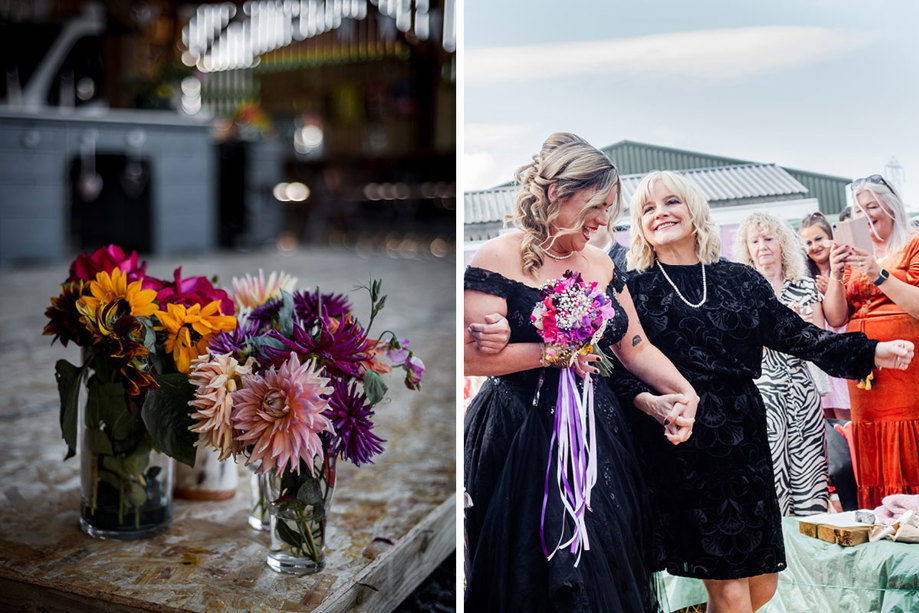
[(558, 257), (676, 289)]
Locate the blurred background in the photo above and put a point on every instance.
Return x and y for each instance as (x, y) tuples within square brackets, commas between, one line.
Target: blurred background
[(176, 127)]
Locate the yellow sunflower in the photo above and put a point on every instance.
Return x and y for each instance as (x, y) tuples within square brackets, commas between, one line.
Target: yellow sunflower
[(114, 288), (190, 329)]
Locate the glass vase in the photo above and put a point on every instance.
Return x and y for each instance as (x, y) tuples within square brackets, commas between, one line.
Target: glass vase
[(298, 507), (259, 518), (125, 485)]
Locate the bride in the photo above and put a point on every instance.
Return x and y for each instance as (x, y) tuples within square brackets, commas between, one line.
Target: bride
[(569, 191)]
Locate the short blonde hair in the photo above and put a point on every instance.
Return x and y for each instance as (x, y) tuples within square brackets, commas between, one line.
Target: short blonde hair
[(571, 164), (793, 268), (641, 254)]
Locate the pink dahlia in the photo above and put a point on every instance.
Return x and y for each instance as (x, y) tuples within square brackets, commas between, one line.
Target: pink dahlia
[(215, 378), (280, 415)]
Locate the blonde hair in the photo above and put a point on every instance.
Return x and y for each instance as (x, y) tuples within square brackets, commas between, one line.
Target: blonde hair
[(793, 268), (641, 254), (885, 194), (571, 164)]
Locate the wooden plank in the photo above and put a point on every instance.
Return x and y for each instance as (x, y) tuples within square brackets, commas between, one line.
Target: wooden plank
[(386, 582)]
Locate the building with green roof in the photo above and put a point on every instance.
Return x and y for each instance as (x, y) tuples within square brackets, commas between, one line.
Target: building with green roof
[(632, 157)]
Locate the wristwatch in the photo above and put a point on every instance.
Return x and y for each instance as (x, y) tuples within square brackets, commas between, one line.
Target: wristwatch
[(884, 275)]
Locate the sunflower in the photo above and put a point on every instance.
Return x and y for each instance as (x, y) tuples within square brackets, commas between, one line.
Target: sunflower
[(189, 329), (64, 318), (115, 289)]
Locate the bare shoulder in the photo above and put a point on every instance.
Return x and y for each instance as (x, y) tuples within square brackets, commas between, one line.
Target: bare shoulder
[(500, 254), (600, 263)]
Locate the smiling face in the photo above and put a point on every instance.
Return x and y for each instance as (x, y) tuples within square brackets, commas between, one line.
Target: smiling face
[(764, 249), (666, 220), (572, 234), (879, 216), (818, 244)]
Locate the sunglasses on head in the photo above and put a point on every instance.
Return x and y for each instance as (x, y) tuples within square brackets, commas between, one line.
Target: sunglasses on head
[(876, 179)]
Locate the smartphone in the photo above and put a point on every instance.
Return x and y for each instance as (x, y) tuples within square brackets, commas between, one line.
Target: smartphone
[(855, 233)]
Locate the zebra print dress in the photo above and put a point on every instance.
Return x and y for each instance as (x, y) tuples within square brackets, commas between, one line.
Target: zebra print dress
[(794, 420)]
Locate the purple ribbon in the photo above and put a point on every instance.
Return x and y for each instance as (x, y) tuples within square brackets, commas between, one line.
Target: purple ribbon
[(575, 435)]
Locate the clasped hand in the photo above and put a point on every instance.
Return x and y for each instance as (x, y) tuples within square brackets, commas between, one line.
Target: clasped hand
[(675, 412)]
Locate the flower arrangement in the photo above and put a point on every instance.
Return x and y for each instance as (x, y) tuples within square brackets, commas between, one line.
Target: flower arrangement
[(571, 316), (291, 390), (138, 335)]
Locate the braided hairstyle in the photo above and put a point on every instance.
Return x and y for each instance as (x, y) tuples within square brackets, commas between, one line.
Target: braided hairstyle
[(571, 164)]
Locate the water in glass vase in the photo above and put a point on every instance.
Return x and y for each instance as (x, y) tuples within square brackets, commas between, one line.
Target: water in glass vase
[(298, 507)]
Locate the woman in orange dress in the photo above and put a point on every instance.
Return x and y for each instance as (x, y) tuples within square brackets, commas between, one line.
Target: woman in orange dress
[(878, 294)]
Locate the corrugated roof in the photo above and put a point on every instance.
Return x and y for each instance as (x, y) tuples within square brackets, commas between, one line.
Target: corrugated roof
[(721, 186), (632, 157)]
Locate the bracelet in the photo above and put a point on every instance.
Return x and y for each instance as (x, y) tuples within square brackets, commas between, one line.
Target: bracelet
[(542, 355)]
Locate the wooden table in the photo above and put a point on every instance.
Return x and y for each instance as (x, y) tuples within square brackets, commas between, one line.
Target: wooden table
[(390, 525)]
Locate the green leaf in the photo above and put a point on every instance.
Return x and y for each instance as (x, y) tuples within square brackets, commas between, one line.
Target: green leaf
[(106, 401), (149, 334), (136, 463), (127, 426), (168, 417), (110, 478), (374, 387), (258, 344), (160, 360), (115, 465), (310, 493), (286, 314), (287, 535), (98, 442), (136, 494), (68, 386)]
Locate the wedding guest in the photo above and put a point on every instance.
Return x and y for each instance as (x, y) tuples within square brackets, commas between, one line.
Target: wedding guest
[(569, 191), (878, 293), (817, 235), (714, 495), (794, 419)]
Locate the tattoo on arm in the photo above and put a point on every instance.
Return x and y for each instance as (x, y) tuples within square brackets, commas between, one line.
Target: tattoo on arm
[(636, 339)]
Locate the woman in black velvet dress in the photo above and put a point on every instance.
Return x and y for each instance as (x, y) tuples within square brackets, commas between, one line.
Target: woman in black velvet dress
[(569, 191), (714, 495)]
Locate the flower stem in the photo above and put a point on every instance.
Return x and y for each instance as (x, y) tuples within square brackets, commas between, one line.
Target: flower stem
[(303, 526)]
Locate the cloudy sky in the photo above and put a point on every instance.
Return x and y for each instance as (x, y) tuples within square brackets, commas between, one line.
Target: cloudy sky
[(818, 85)]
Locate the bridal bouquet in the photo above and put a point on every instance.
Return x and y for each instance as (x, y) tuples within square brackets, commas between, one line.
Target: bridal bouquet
[(138, 335), (291, 390), (571, 317)]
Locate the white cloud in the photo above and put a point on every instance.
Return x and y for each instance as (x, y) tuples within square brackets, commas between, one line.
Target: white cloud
[(490, 136), (710, 54), (482, 171)]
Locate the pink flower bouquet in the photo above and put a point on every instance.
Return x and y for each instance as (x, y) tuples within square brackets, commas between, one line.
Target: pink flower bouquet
[(571, 316)]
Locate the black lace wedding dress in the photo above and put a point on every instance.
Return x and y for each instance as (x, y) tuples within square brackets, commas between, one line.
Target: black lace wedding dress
[(507, 433)]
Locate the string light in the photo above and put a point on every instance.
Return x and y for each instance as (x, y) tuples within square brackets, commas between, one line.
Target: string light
[(219, 38)]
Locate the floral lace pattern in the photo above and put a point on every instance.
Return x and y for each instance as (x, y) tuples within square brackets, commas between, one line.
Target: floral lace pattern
[(715, 495)]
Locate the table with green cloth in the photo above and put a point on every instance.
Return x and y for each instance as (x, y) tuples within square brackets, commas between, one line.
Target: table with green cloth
[(881, 577)]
